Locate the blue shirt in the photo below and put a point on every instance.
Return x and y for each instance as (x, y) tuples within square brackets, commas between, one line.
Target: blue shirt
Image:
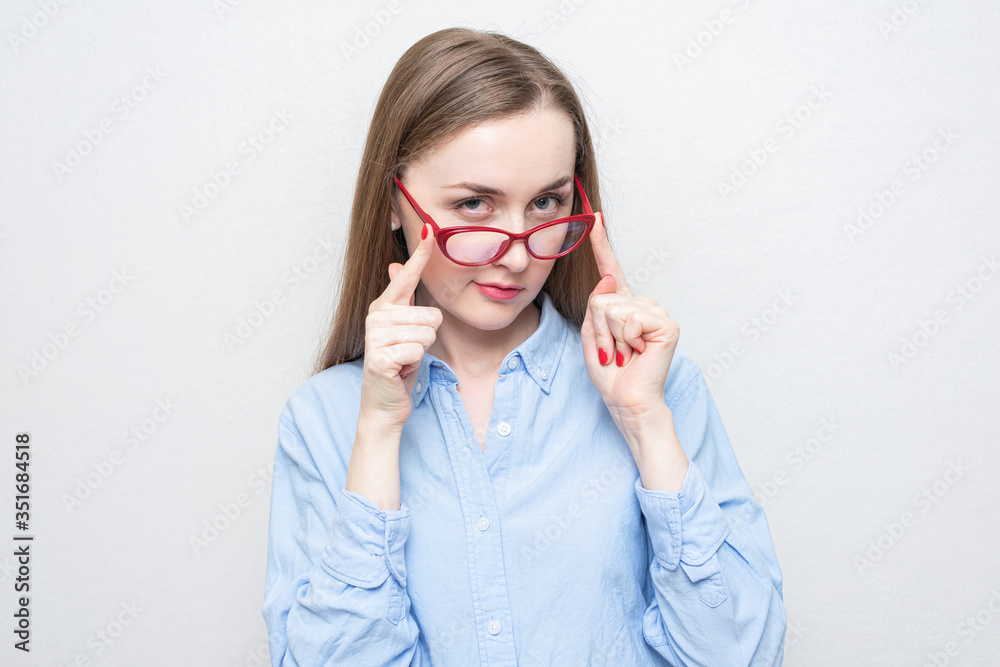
[(543, 548)]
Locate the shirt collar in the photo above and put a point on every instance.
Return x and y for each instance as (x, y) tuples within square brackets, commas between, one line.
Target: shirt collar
[(538, 356)]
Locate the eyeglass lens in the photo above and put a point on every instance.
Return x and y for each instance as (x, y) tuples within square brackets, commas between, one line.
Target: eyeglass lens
[(546, 243)]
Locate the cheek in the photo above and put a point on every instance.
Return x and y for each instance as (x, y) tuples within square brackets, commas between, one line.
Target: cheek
[(443, 277), (541, 270)]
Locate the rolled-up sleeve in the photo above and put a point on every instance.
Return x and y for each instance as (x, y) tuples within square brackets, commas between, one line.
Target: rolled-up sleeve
[(335, 585), (716, 583), (366, 547)]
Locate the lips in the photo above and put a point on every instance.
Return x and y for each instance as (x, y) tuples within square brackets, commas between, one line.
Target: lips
[(493, 291), (500, 285)]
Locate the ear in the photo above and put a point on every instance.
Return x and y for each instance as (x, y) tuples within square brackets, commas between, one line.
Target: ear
[(394, 212)]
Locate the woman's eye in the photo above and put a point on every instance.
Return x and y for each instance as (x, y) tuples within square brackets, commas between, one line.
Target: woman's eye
[(472, 204), (553, 203), (548, 204)]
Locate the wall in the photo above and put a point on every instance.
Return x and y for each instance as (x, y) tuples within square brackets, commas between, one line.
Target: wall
[(809, 189)]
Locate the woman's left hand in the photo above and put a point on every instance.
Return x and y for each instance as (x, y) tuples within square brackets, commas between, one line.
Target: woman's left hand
[(637, 336)]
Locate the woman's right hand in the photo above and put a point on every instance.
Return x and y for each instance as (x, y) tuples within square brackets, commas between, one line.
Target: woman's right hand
[(397, 334)]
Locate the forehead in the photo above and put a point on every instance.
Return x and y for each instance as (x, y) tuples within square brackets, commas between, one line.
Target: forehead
[(516, 155)]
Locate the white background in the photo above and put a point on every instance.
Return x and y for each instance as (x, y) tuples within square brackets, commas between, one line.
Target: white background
[(885, 80)]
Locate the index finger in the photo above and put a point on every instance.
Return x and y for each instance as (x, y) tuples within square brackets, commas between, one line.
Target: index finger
[(403, 284), (605, 256)]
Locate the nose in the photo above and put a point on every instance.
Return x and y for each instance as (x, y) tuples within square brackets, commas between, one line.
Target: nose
[(516, 257)]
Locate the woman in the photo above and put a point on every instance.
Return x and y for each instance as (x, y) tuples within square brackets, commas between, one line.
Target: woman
[(504, 458)]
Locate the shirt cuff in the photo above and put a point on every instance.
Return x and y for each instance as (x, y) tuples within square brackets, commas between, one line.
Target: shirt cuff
[(366, 543), (686, 525)]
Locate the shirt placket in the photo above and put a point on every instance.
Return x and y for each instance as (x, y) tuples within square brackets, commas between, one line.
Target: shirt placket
[(480, 512)]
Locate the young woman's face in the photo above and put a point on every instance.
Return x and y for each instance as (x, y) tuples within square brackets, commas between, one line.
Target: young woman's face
[(519, 157)]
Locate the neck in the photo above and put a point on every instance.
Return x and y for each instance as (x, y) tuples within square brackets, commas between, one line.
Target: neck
[(473, 352)]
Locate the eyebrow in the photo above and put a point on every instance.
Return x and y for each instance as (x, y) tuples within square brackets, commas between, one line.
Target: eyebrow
[(487, 190)]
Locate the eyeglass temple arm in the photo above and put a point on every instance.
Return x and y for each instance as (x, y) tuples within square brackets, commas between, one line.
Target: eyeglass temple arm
[(423, 216), (583, 195)]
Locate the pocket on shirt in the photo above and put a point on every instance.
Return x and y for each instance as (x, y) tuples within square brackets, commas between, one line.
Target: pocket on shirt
[(708, 580)]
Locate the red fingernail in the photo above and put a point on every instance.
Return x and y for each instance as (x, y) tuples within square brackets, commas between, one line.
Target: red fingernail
[(605, 276), (603, 356), (619, 359), (423, 232)]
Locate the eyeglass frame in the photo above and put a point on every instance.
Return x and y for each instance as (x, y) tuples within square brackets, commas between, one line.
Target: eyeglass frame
[(441, 235)]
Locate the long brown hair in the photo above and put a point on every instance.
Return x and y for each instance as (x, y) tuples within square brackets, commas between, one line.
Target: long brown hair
[(444, 83)]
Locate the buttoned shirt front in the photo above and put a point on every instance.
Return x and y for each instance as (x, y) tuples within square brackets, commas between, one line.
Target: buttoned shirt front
[(541, 548)]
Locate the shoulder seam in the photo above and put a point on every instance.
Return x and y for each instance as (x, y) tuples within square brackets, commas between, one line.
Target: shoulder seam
[(297, 434), (675, 397), (284, 419)]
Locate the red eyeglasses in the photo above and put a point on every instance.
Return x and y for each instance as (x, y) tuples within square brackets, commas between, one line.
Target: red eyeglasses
[(470, 245)]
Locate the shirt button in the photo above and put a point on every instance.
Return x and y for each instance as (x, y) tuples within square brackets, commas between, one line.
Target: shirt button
[(512, 363), (419, 385), (503, 428), (484, 523), (545, 375), (493, 627)]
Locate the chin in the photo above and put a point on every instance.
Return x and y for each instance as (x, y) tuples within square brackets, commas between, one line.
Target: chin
[(492, 314)]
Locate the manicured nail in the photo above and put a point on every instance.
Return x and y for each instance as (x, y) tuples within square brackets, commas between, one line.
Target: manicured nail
[(603, 356), (423, 232), (619, 358)]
